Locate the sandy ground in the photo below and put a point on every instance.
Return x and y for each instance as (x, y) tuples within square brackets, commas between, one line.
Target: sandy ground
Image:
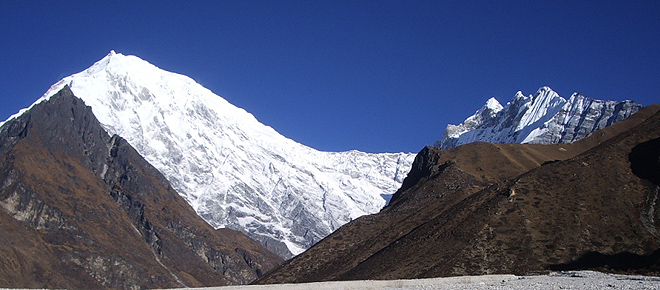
[(562, 280)]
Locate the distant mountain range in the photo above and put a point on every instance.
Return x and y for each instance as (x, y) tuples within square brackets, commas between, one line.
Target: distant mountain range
[(542, 118)]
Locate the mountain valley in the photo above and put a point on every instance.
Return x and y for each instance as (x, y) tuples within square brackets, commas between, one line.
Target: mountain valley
[(128, 176)]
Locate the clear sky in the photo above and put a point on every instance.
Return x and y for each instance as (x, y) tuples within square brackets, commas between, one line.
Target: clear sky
[(377, 76)]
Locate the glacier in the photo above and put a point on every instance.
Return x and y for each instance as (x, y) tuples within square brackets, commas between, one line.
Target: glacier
[(542, 118), (234, 171)]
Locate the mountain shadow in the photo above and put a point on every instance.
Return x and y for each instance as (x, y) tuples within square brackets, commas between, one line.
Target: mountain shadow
[(645, 160), (619, 262)]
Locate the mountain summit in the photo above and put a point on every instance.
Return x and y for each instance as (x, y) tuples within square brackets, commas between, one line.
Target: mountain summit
[(234, 171), (542, 118)]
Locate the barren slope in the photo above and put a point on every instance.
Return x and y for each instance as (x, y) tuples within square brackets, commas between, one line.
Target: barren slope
[(482, 208)]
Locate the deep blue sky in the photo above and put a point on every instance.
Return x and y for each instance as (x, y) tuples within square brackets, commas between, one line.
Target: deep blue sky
[(377, 76)]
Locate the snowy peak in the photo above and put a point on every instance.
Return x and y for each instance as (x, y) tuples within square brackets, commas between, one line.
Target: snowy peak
[(544, 117), (129, 95), (543, 105), (102, 64), (544, 90), (482, 116), (545, 102), (493, 105), (519, 95), (234, 171)]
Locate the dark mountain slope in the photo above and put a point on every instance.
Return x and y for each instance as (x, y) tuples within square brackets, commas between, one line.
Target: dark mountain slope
[(484, 208), (81, 209)]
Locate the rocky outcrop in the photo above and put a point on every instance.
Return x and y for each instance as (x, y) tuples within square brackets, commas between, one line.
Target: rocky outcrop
[(82, 209), (484, 208), (542, 118)]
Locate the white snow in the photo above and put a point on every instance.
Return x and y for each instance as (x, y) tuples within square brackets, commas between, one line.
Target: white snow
[(544, 118), (233, 170), (544, 106), (494, 105)]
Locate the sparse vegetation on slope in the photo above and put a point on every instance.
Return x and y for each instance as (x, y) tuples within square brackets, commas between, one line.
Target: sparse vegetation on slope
[(483, 208)]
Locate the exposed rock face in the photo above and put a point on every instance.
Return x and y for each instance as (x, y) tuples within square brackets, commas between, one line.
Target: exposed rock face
[(234, 171), (486, 208), (542, 118), (82, 209)]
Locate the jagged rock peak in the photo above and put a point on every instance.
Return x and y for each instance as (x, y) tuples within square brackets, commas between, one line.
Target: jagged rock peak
[(544, 118)]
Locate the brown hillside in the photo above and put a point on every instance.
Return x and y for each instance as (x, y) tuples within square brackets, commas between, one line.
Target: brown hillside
[(81, 209), (512, 208)]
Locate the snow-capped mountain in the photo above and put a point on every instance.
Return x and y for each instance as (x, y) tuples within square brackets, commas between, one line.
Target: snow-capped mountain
[(233, 170), (542, 118)]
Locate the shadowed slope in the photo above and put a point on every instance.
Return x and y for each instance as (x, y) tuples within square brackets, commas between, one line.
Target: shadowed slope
[(81, 209)]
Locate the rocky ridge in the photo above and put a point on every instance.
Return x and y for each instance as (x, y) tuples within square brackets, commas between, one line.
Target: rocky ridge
[(82, 209)]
